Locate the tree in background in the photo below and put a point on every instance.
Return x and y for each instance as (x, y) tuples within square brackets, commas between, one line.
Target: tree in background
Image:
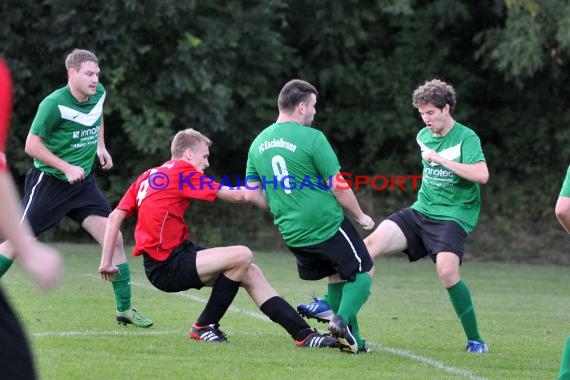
[(214, 66)]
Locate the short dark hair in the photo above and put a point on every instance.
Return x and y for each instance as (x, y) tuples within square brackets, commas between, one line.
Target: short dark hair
[(77, 57), (436, 92), (294, 92), (187, 138)]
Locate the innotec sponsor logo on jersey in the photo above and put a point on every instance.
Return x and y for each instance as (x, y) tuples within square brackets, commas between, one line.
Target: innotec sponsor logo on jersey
[(85, 137), (88, 132), (439, 177)]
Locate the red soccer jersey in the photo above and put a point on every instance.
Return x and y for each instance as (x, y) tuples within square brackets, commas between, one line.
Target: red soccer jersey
[(5, 109), (161, 196)]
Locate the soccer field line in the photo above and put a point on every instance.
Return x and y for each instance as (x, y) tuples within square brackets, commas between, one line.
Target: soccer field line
[(429, 361), (257, 315), (129, 332)]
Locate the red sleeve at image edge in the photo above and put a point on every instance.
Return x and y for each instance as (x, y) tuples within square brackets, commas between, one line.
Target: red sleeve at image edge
[(5, 108)]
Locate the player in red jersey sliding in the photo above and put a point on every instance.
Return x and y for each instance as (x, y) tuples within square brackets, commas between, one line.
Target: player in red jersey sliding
[(173, 263)]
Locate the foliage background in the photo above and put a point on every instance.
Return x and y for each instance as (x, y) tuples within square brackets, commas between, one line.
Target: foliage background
[(217, 66)]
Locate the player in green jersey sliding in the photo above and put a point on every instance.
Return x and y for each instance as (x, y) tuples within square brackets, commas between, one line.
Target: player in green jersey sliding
[(300, 174), (446, 210), (65, 137)]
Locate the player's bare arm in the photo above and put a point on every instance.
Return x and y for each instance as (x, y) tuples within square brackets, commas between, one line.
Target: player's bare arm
[(562, 211), (36, 148), (255, 195), (230, 194), (348, 201), (104, 157), (477, 172)]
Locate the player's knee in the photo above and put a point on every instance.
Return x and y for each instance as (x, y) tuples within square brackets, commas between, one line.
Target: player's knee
[(245, 256), (369, 242), (253, 278), (377, 241), (448, 276), (375, 246)]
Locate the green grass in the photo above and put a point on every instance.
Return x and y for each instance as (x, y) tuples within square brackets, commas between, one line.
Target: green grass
[(523, 311)]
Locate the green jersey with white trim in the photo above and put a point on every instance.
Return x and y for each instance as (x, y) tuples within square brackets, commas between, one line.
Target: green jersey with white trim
[(565, 190), (293, 163), (69, 129), (443, 194)]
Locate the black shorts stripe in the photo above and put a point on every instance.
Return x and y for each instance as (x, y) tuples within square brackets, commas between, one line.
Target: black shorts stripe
[(353, 248), (344, 253), (32, 193)]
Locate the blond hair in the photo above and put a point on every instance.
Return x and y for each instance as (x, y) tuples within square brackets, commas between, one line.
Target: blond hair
[(187, 138)]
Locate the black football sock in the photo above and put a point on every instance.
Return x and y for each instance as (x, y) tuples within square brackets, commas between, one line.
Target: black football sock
[(223, 293), (280, 312)]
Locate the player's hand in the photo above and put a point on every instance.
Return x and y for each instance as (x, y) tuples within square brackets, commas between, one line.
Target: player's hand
[(43, 263), (432, 156), (105, 159), (108, 271), (365, 222), (74, 174)]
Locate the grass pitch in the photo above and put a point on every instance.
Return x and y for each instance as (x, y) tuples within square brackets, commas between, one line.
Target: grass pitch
[(523, 313)]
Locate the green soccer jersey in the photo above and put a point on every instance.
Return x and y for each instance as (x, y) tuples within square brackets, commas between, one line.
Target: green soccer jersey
[(69, 129), (293, 164), (443, 194), (565, 191)]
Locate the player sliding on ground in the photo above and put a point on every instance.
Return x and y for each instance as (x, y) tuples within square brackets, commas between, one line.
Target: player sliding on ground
[(160, 197)]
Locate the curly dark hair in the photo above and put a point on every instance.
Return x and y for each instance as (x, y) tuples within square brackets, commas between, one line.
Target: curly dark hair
[(436, 92)]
